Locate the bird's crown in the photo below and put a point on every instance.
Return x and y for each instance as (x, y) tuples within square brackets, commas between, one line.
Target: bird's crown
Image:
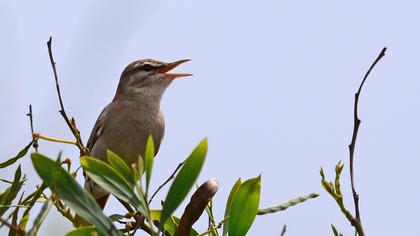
[(142, 65)]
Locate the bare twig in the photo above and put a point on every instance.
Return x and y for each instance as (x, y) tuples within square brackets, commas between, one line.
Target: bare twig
[(211, 221), (139, 224), (15, 228), (70, 123), (354, 136), (211, 230), (61, 208), (283, 231), (196, 206), (167, 180), (35, 140)]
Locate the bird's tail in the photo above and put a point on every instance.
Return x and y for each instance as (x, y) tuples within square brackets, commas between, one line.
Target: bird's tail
[(98, 193)]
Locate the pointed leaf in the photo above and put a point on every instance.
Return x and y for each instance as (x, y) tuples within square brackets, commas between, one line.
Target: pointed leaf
[(335, 231), (229, 204), (110, 180), (33, 198), (40, 218), (184, 180), (11, 192), (66, 187), (15, 217), (148, 160), (12, 160), (244, 207), (120, 166)]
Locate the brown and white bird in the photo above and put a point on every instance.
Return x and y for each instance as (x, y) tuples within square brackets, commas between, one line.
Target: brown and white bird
[(126, 123)]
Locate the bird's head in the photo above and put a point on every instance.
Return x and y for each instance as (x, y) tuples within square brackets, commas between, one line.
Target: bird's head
[(147, 78)]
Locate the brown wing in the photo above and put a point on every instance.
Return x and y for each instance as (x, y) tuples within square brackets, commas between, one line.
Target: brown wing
[(97, 128)]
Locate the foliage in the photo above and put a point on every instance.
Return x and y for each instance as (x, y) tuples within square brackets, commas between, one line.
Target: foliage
[(129, 185)]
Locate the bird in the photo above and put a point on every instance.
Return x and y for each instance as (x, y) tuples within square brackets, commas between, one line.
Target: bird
[(134, 114)]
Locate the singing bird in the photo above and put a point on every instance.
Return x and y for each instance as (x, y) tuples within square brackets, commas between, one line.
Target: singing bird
[(133, 115)]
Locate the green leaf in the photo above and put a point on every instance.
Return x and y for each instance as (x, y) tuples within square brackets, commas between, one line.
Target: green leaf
[(17, 157), (40, 218), (67, 189), (33, 198), (110, 180), (148, 160), (85, 231), (23, 221), (11, 192), (244, 207), (229, 204), (184, 180), (120, 166), (170, 225), (335, 231)]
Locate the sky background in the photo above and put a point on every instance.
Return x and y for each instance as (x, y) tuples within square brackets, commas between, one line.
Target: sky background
[(273, 90)]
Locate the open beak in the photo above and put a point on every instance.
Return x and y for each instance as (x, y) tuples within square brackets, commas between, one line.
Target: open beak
[(170, 66)]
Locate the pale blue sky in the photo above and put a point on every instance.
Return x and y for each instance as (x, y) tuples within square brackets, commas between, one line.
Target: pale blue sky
[(273, 91)]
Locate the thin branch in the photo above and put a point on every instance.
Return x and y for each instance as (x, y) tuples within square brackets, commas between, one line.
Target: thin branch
[(139, 224), (40, 136), (283, 231), (70, 123), (62, 209), (15, 228), (354, 136), (167, 180), (211, 230), (35, 140)]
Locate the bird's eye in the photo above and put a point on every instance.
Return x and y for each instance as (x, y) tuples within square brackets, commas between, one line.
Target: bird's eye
[(147, 67)]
